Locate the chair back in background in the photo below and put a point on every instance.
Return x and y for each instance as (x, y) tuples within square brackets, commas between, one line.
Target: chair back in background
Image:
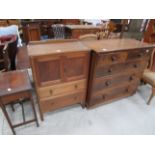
[(59, 31)]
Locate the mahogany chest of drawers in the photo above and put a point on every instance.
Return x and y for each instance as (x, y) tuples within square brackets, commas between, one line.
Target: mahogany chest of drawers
[(60, 71), (116, 69)]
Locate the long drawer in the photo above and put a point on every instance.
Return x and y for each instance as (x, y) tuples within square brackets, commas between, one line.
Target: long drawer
[(112, 94), (115, 80), (123, 56), (62, 89), (121, 68), (60, 102)]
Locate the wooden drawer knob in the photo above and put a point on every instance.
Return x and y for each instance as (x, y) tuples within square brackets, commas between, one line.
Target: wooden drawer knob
[(103, 97), (76, 86), (127, 90), (113, 58), (140, 54), (131, 77), (135, 66), (108, 83), (51, 92), (110, 70)]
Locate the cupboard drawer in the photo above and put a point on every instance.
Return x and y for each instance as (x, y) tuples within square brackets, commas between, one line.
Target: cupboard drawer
[(113, 81), (62, 89), (53, 104), (121, 68), (113, 93)]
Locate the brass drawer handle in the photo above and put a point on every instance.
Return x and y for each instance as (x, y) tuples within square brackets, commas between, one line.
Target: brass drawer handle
[(51, 92)]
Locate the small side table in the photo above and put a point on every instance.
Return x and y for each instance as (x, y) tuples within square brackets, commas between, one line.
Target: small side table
[(15, 86)]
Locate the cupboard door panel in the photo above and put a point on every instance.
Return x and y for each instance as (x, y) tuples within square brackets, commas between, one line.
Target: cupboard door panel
[(76, 66), (48, 70)]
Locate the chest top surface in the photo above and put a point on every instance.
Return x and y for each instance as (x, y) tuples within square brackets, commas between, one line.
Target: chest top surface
[(56, 48), (83, 27), (110, 45), (14, 82)]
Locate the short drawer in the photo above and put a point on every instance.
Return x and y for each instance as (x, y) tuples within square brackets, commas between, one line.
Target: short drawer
[(113, 81), (121, 68), (118, 92), (139, 54), (112, 58), (53, 104), (62, 89), (123, 56)]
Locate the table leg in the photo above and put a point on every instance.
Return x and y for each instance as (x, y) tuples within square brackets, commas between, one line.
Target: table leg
[(7, 117), (34, 111)]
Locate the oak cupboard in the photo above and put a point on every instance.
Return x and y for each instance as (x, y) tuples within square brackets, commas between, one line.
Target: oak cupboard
[(60, 71), (116, 69)]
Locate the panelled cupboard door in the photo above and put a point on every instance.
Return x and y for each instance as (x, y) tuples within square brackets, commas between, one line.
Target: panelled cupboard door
[(48, 70), (76, 66)]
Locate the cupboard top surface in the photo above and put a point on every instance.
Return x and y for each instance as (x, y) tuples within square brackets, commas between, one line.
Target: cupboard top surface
[(83, 27), (103, 46), (56, 48)]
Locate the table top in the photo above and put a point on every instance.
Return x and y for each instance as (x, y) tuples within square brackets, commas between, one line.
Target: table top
[(83, 27), (14, 81), (56, 48), (109, 45)]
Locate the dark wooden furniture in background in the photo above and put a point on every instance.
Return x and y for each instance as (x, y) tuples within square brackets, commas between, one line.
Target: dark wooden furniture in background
[(34, 29), (74, 31), (8, 22), (116, 68), (15, 86), (60, 71), (31, 32), (70, 21), (149, 37), (22, 58), (149, 34)]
